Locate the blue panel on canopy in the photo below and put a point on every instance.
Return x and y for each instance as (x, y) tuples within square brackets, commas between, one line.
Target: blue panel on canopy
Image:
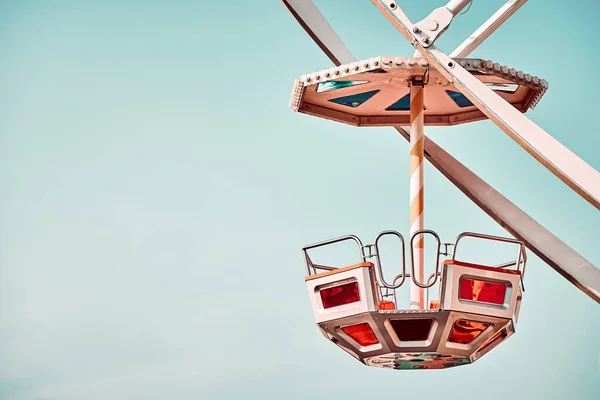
[(459, 99), (355, 100)]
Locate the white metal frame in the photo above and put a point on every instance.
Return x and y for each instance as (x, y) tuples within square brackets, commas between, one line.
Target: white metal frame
[(561, 161), (538, 239), (451, 301), (368, 297), (487, 28)]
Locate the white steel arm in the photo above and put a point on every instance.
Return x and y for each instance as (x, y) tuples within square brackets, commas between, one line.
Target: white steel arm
[(456, 6), (313, 22), (538, 239), (436, 23), (565, 164), (487, 28)]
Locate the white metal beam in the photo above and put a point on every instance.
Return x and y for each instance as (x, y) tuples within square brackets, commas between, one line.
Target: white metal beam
[(317, 27), (561, 161), (538, 239), (435, 24), (487, 28), (456, 6)]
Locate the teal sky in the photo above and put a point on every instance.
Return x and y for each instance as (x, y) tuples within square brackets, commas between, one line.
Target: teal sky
[(156, 191)]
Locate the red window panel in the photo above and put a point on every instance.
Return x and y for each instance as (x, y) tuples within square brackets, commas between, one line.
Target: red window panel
[(483, 291), (362, 333), (464, 331), (339, 295)]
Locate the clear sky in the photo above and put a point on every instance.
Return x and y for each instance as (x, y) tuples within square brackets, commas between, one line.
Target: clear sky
[(156, 191)]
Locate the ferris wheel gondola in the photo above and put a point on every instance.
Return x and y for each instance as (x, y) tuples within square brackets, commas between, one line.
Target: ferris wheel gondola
[(476, 306), (474, 309)]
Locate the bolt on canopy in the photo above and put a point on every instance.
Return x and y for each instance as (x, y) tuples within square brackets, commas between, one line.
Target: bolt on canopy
[(375, 92)]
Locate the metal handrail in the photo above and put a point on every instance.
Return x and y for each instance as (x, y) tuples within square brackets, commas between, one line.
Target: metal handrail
[(432, 275), (491, 237), (323, 267), (408, 276), (394, 291), (508, 264), (434, 278), (521, 255), (426, 285), (309, 263), (383, 283), (427, 292)]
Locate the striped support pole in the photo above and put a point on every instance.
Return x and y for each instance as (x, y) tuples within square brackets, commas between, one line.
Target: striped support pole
[(417, 140)]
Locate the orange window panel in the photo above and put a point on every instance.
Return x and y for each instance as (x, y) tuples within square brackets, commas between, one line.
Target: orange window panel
[(339, 295), (362, 333), (464, 331), (483, 291)]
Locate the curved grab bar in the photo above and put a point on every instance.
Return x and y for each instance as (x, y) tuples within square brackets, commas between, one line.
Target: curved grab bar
[(380, 268), (426, 285), (521, 257), (336, 240), (309, 263), (403, 276), (431, 276)]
